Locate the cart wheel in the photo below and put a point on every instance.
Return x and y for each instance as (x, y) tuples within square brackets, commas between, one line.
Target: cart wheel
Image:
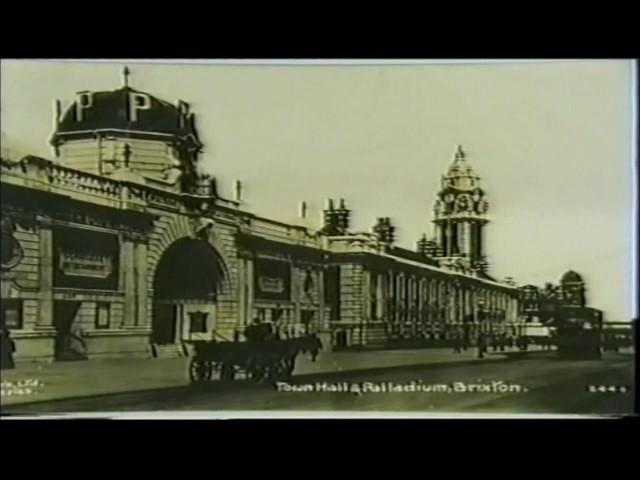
[(256, 370), (279, 369), (259, 374), (283, 368), (199, 370), (272, 371), (227, 373), (291, 364)]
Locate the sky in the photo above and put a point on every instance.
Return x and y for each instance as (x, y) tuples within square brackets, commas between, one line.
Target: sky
[(553, 142)]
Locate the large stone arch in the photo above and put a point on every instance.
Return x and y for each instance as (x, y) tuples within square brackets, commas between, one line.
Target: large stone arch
[(189, 268), (170, 229), (189, 279)]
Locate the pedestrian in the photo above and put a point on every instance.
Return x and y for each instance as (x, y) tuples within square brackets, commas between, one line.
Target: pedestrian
[(255, 331), (7, 349), (482, 345), (77, 342), (465, 339), (456, 342)]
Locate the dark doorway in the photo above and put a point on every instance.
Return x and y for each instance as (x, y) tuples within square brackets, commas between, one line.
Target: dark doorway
[(341, 339), (190, 271), (69, 344), (164, 323)]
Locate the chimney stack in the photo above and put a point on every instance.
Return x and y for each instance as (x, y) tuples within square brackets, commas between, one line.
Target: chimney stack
[(237, 189)]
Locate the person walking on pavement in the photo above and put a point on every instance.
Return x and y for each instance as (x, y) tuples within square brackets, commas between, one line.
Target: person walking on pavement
[(7, 349), (456, 342), (482, 344)]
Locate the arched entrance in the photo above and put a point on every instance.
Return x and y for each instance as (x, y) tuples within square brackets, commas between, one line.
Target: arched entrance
[(188, 279)]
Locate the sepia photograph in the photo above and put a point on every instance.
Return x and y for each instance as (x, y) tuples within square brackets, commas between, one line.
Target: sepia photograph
[(306, 238)]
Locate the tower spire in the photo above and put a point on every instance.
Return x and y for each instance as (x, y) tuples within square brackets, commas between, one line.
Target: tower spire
[(125, 76)]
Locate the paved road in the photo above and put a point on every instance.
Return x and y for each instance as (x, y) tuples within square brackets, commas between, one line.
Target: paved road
[(545, 386)]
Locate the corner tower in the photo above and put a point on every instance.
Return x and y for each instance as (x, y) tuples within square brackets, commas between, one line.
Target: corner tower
[(460, 216), (129, 135)]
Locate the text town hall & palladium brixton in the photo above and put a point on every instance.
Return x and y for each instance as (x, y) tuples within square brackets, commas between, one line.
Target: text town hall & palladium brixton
[(121, 246)]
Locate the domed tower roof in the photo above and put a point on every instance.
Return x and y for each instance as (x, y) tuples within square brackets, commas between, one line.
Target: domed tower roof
[(126, 111), (460, 167), (571, 277)]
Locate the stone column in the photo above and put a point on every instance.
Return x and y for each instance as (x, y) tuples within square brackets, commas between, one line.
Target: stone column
[(322, 321), (181, 330), (421, 299), (141, 283), (241, 321), (380, 297), (513, 310), (45, 280), (127, 268), (366, 296), (447, 235), (250, 292), (295, 292), (431, 287), (475, 298)]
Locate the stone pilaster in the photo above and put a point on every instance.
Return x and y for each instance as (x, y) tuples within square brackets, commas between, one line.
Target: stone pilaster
[(45, 279), (127, 267), (250, 291), (296, 291), (242, 295), (380, 297), (322, 321), (141, 284), (366, 297)]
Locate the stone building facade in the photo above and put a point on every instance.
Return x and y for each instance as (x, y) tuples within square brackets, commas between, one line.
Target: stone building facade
[(121, 246)]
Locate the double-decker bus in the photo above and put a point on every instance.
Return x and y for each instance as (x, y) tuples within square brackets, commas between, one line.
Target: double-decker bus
[(578, 332)]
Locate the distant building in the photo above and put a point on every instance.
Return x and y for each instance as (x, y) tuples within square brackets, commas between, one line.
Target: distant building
[(568, 296), (121, 246)]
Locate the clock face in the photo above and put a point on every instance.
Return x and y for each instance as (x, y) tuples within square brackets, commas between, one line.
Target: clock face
[(449, 197), (462, 202), (483, 207)]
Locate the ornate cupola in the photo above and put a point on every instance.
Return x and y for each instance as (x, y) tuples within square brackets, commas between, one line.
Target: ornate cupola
[(459, 216), (129, 134), (572, 287)]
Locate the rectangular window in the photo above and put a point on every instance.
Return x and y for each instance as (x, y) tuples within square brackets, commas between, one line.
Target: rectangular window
[(103, 315), (12, 314), (198, 322)]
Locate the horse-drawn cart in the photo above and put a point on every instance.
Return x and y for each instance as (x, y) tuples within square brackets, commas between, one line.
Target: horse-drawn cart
[(260, 361)]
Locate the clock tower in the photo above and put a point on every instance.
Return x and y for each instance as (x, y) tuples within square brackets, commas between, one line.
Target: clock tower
[(459, 217)]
